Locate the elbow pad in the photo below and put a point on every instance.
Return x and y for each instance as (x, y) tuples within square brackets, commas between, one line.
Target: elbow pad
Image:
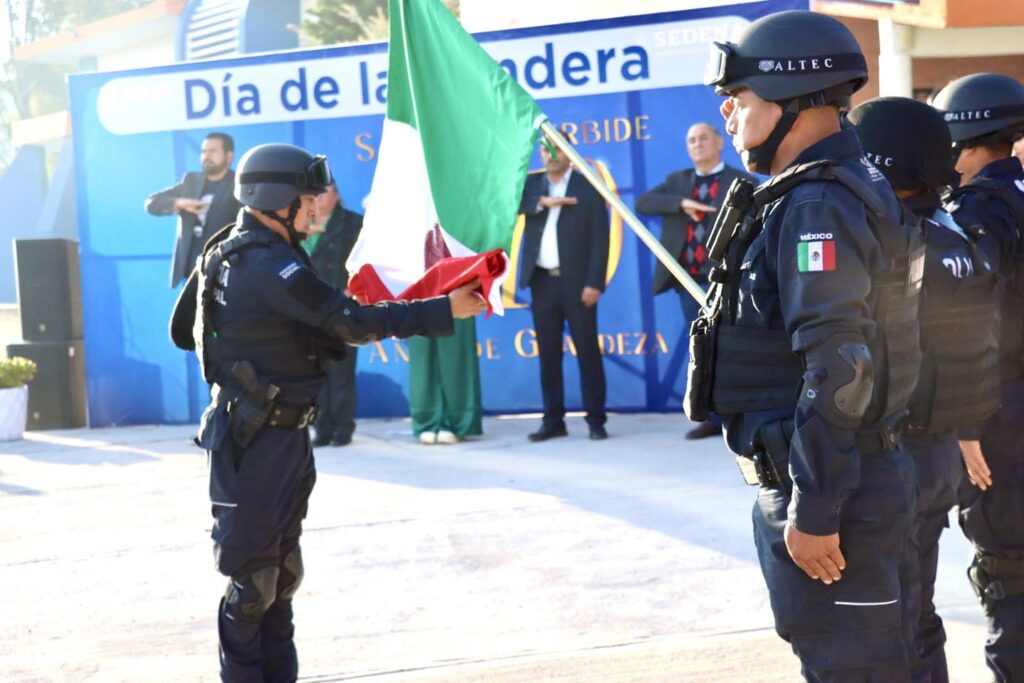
[(839, 381)]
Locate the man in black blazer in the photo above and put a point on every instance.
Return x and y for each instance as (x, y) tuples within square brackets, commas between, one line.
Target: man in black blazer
[(330, 245), (564, 263), (687, 201), (205, 203)]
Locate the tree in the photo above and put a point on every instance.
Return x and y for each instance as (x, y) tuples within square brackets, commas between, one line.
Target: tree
[(334, 22), (30, 89)]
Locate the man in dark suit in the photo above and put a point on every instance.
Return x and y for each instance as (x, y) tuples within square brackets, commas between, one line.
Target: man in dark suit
[(330, 245), (687, 201), (565, 260), (205, 203)]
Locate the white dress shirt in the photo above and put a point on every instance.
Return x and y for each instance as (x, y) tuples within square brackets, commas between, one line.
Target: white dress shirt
[(716, 169), (548, 256)]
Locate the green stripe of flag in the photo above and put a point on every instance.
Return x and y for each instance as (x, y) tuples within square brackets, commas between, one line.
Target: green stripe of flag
[(478, 127)]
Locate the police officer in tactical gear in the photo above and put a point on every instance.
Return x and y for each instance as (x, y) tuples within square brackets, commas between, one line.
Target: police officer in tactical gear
[(985, 113), (808, 346), (958, 386), (264, 324)]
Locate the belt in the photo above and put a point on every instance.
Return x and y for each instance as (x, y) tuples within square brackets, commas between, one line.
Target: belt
[(764, 470), (291, 417), (876, 440), (553, 272)]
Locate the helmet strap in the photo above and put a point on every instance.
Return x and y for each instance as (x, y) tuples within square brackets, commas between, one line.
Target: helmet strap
[(288, 222), (762, 155)]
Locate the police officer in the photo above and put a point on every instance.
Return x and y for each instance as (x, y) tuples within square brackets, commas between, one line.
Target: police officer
[(264, 324), (985, 113), (958, 386), (812, 323)]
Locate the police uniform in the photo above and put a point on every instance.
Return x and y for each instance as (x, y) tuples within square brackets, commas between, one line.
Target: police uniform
[(264, 325), (808, 348), (990, 108), (958, 384), (834, 470)]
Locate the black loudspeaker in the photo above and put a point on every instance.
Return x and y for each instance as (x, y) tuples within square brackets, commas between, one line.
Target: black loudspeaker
[(49, 289), (56, 396)]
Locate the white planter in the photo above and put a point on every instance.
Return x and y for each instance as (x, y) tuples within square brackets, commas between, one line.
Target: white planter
[(13, 413)]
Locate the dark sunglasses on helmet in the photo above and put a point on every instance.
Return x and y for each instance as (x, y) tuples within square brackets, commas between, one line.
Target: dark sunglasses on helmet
[(316, 177), (718, 62)]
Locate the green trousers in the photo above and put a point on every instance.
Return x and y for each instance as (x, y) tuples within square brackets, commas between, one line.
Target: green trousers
[(444, 382)]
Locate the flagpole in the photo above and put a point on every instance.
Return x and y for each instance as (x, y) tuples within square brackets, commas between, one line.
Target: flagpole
[(667, 260)]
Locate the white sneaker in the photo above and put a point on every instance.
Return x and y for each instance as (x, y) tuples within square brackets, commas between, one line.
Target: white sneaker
[(428, 438), (446, 437)]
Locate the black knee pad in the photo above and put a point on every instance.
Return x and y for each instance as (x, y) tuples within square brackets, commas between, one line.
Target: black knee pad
[(291, 574), (251, 595)]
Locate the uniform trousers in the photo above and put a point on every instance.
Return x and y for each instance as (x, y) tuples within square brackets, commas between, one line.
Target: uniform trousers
[(993, 520), (850, 631), (260, 495), (553, 304), (939, 466)]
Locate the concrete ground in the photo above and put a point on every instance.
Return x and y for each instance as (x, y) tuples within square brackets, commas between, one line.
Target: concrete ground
[(494, 560)]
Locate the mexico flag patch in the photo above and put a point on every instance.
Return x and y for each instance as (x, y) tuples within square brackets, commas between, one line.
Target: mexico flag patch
[(816, 256)]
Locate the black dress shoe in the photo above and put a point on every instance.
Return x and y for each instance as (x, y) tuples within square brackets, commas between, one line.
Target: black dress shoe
[(341, 440), (598, 433), (704, 430), (548, 432)]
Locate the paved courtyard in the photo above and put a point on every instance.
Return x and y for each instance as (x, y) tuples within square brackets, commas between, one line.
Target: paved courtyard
[(494, 560)]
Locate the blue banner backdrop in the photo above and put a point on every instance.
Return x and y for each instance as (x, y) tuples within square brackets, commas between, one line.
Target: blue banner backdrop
[(625, 90)]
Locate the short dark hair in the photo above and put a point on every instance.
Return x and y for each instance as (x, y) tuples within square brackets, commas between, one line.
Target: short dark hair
[(226, 141)]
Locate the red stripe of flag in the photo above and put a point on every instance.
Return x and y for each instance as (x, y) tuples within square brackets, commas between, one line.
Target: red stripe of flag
[(828, 255)]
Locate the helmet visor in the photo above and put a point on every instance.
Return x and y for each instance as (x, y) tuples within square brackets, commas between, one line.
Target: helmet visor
[(318, 175), (718, 62), (316, 178)]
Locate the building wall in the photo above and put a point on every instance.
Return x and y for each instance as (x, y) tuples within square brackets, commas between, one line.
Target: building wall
[(151, 53), (490, 15), (931, 73)]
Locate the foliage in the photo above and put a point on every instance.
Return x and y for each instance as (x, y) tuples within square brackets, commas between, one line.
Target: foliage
[(334, 22), (30, 89), (15, 372)]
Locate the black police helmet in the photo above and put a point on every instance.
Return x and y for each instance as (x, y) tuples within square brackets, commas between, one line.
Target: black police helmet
[(271, 177), (907, 140), (981, 104), (788, 55)]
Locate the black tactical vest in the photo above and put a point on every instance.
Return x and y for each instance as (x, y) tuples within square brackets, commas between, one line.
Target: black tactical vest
[(1011, 326), (959, 379), (754, 369), (276, 351)]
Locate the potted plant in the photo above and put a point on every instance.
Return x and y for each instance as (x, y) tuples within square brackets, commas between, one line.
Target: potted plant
[(15, 374)]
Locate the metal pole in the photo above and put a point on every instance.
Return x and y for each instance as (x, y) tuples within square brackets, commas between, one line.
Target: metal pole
[(628, 216)]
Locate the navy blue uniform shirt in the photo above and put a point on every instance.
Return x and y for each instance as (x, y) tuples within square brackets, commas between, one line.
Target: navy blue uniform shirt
[(274, 288), (1001, 233), (829, 297)]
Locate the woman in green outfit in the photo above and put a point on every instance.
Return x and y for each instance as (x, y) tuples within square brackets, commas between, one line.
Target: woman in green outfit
[(444, 386)]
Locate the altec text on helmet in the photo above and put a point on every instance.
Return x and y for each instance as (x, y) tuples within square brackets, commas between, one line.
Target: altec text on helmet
[(976, 115), (795, 65)]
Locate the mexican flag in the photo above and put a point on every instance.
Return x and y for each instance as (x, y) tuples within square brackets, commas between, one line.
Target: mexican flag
[(816, 256), (454, 152)]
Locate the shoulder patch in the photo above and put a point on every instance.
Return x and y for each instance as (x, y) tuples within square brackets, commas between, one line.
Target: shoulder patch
[(816, 256), (288, 270)]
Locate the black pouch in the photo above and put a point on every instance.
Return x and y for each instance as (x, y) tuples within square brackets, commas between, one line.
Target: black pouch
[(697, 399)]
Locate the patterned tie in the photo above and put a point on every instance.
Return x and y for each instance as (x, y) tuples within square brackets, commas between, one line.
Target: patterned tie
[(694, 256)]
